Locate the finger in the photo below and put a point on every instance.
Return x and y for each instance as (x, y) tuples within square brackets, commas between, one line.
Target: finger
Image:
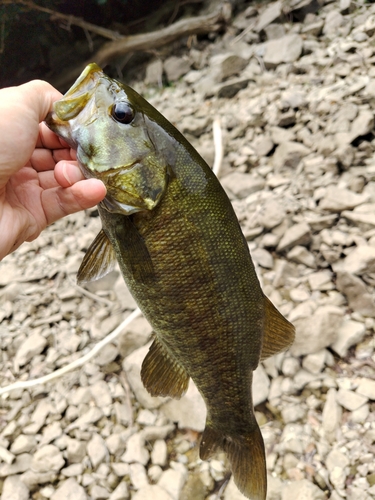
[(68, 173), (42, 160), (62, 154), (60, 202), (47, 180), (48, 139)]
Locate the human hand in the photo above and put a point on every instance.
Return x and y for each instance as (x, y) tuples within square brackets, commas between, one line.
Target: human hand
[(39, 180)]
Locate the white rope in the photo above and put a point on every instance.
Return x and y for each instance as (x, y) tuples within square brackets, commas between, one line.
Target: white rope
[(25, 384)]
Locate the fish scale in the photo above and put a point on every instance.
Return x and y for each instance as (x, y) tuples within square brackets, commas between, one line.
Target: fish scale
[(171, 227)]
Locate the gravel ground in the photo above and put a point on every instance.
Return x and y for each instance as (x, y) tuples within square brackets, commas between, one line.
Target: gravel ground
[(293, 85)]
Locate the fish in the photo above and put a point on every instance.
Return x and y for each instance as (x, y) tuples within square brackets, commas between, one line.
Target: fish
[(169, 224)]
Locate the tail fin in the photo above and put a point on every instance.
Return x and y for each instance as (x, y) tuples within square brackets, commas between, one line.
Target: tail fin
[(246, 455)]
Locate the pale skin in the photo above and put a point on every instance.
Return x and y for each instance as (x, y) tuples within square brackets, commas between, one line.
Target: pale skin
[(40, 181)]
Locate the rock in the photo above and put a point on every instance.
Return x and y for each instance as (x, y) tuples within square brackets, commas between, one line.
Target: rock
[(154, 73), (350, 400), (361, 260), (226, 65), (230, 88), (286, 49), (356, 293), (366, 387), (271, 14), (76, 451), (301, 255), (159, 453), (189, 412), (271, 214), (314, 363), (302, 490), (261, 385), (23, 444), (175, 67), (298, 234), (137, 335), (262, 145), (274, 31), (321, 280), (333, 21), (33, 345), (97, 450), (362, 125), (315, 332), (15, 489), (346, 6), (121, 492), (350, 333), (241, 185), (138, 476), (337, 200), (336, 459), (21, 464), (172, 482), (135, 450), (289, 154), (262, 257), (69, 490), (47, 458), (153, 492), (232, 492), (101, 394)]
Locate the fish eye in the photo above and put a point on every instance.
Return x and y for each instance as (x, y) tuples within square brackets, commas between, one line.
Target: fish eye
[(122, 112)]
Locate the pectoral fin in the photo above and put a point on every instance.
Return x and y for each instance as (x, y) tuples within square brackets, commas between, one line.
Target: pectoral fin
[(98, 261), (161, 374), (278, 332), (133, 251)]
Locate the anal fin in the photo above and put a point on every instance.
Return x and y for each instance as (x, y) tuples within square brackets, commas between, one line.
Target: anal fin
[(278, 332), (98, 261), (161, 374)]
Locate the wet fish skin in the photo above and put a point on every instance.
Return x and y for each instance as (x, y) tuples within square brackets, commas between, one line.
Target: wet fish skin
[(169, 224)]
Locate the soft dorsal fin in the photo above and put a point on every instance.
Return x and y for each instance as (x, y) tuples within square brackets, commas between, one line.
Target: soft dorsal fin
[(161, 374), (98, 261), (278, 332)]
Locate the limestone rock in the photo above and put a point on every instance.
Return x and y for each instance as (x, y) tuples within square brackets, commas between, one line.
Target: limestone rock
[(350, 333), (298, 234), (289, 154), (189, 412), (69, 490), (356, 293), (286, 49), (15, 489)]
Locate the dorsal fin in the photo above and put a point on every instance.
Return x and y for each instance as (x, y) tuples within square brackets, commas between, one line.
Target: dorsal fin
[(161, 374), (278, 332), (98, 261)]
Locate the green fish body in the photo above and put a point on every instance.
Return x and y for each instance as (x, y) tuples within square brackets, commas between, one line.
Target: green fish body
[(172, 229)]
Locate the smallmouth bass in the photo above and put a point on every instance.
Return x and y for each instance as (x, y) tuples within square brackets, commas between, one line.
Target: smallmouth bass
[(171, 227)]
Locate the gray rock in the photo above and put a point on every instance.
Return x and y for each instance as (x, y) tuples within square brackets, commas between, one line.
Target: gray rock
[(289, 154), (101, 394), (286, 49), (346, 6), (137, 335), (241, 185), (298, 234), (366, 387), (262, 257), (350, 400), (154, 73), (15, 489), (314, 363), (172, 482), (230, 88), (271, 14), (153, 492), (362, 125), (21, 464), (361, 260), (271, 214), (189, 412), (262, 145), (362, 216), (76, 451), (302, 490), (33, 345), (47, 458), (138, 476), (336, 459), (23, 444), (176, 67), (98, 492), (69, 490), (136, 450), (224, 66), (350, 333), (121, 492), (261, 385), (333, 21), (274, 31), (301, 255), (317, 331), (337, 199), (159, 453), (97, 450), (356, 293)]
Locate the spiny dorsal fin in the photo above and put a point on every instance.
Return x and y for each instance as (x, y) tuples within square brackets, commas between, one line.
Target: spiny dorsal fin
[(246, 456), (161, 374), (278, 332), (98, 261)]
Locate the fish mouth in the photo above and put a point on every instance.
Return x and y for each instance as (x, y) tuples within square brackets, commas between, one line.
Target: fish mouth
[(73, 101)]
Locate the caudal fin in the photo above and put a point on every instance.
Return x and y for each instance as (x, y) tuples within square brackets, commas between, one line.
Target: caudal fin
[(246, 455)]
